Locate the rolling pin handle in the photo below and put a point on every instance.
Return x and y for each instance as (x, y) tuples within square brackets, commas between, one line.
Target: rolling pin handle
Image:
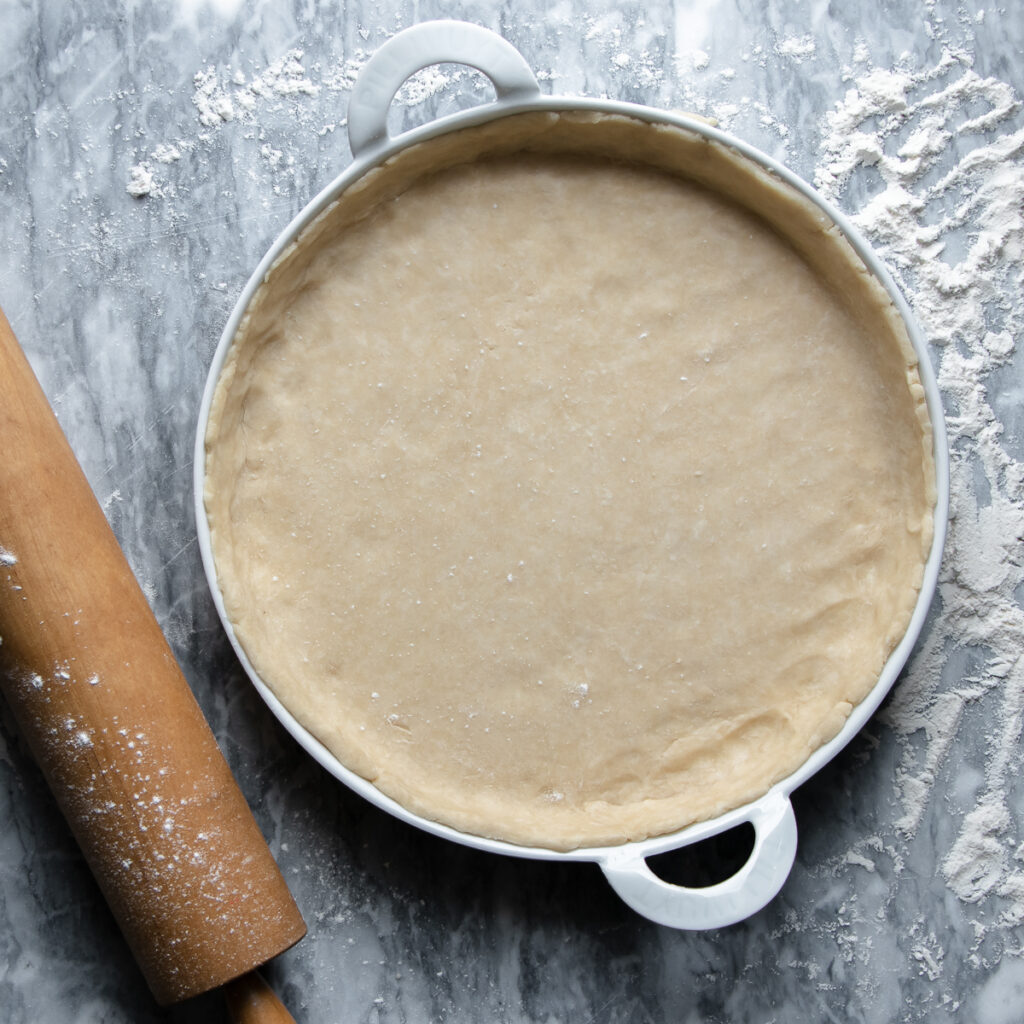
[(252, 1001)]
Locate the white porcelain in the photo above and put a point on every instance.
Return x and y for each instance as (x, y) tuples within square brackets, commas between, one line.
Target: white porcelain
[(625, 866)]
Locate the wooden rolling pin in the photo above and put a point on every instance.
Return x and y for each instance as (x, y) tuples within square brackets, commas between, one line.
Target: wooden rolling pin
[(122, 742)]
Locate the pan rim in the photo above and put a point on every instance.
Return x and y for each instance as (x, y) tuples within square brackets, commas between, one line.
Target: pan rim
[(861, 712)]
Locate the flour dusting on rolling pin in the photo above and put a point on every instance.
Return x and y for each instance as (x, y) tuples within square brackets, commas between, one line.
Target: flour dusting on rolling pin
[(132, 763)]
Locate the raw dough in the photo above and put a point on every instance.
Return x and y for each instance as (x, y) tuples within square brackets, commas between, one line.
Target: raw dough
[(561, 496)]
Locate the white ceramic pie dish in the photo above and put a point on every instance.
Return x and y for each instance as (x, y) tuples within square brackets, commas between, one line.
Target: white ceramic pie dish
[(625, 866)]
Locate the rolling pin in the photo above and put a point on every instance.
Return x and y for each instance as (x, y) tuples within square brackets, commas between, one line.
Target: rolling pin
[(107, 713)]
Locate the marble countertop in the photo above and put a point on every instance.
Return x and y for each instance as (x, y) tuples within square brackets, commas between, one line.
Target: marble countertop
[(150, 153)]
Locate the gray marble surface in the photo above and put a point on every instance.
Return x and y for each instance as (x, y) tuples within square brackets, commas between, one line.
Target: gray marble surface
[(149, 154)]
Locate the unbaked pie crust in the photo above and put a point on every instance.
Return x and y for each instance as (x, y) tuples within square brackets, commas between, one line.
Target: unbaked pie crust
[(570, 479)]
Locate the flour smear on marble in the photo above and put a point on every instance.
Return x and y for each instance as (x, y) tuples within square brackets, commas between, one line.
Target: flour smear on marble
[(221, 97), (952, 231)]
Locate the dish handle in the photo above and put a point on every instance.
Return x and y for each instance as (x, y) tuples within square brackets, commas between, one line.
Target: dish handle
[(738, 897), (418, 47)]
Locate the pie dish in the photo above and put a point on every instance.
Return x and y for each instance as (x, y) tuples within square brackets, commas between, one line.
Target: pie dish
[(570, 479)]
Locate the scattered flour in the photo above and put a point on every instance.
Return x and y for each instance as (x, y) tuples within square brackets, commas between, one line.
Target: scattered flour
[(165, 154), (859, 860), (222, 97), (929, 960), (955, 238), (343, 77), (210, 99), (797, 48), (6, 558), (284, 77), (140, 181)]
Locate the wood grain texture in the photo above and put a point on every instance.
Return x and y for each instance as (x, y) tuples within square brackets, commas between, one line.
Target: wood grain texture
[(252, 1001), (114, 726)]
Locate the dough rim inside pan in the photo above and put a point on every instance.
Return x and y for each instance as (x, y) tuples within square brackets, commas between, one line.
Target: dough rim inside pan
[(570, 479)]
